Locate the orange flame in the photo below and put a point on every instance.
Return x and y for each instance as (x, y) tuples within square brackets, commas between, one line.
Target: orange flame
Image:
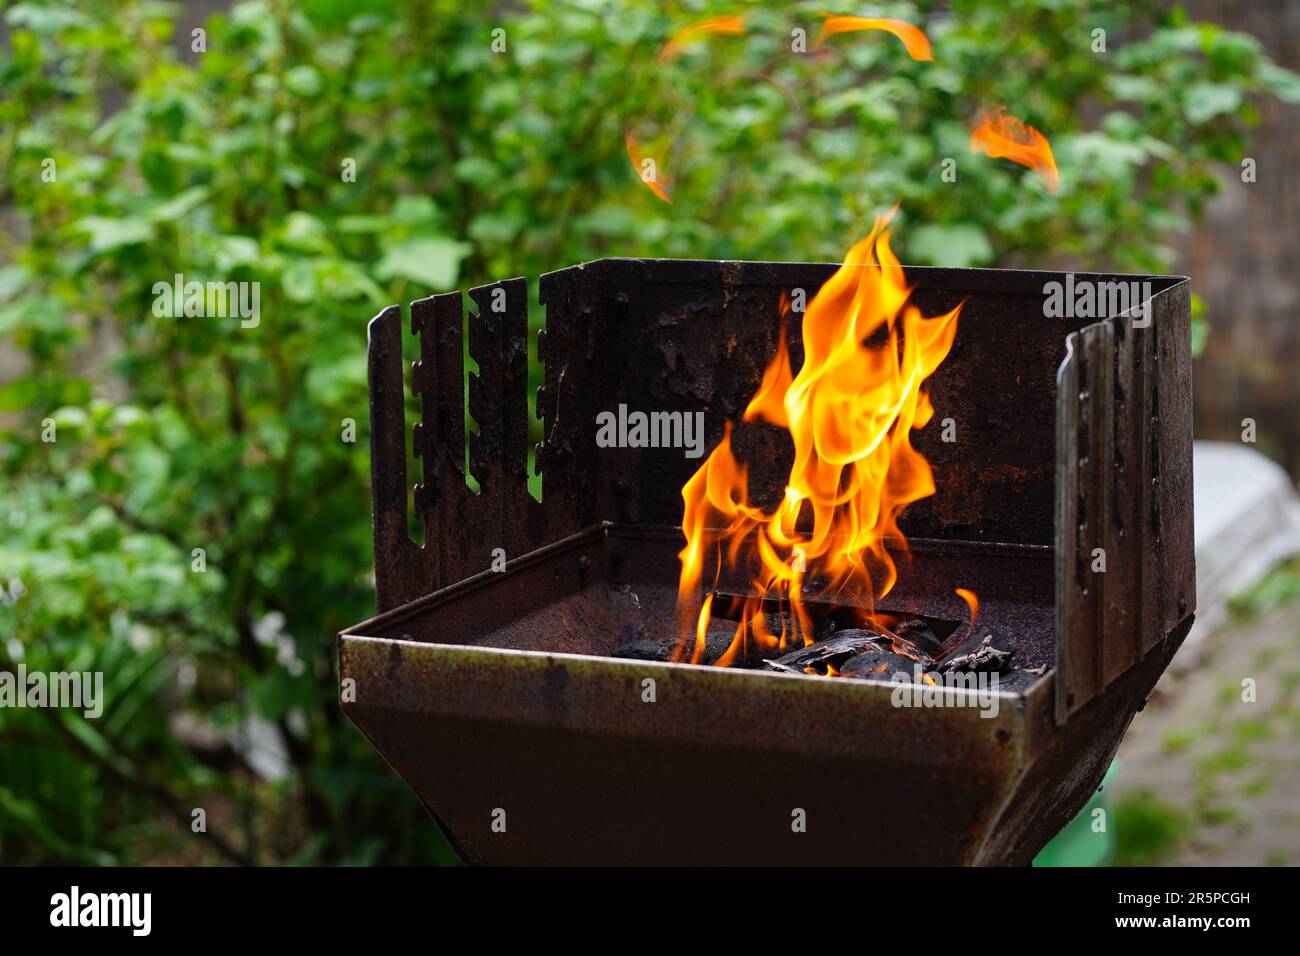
[(972, 604), (915, 42), (731, 25), (850, 411), (1003, 136), (657, 182)]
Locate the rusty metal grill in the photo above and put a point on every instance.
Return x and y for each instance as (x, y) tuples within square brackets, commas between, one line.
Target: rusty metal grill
[(495, 691)]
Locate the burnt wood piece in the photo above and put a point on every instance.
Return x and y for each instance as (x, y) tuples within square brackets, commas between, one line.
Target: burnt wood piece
[(983, 653), (836, 649), (879, 663), (919, 633)]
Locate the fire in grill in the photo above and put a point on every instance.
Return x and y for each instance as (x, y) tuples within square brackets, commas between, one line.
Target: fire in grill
[(564, 710)]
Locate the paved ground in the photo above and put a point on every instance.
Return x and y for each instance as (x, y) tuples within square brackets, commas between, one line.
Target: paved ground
[(1207, 777)]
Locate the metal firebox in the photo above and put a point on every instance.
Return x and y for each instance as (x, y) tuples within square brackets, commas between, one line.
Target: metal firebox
[(494, 696)]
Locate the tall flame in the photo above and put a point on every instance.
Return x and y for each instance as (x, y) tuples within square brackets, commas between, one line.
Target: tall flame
[(1003, 136), (850, 411)]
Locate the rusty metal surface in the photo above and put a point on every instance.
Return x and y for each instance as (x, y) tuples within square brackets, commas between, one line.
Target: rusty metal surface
[(688, 336), (1124, 537), (493, 691), (586, 771), (1069, 761), (402, 569), (488, 691)]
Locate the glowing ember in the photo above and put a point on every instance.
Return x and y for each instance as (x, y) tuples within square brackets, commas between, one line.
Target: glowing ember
[(850, 411), (915, 42), (1005, 137)]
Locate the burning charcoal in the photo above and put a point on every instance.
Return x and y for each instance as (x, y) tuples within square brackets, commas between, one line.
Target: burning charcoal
[(835, 649), (778, 621), (984, 653), (918, 632), (877, 663)]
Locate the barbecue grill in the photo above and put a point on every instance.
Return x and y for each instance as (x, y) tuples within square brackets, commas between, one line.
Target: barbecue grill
[(492, 691)]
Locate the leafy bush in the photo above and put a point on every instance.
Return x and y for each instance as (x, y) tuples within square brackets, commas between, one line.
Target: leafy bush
[(176, 434)]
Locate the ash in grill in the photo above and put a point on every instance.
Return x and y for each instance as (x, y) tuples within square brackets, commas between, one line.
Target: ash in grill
[(541, 689)]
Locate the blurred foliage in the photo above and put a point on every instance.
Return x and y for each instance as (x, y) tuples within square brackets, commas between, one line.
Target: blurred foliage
[(471, 165), (1280, 586), (1148, 829)]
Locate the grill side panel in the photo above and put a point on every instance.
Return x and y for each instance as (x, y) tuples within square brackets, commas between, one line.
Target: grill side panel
[(1125, 562)]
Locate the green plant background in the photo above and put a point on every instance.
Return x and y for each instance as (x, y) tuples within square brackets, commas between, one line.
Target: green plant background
[(176, 434)]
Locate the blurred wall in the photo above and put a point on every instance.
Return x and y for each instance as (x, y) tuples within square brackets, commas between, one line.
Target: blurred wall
[(1242, 260)]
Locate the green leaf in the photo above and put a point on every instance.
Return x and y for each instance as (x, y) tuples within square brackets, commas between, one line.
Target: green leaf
[(108, 234), (303, 81), (1282, 83), (39, 312), (1204, 101), (299, 280), (233, 251), (414, 211), (1142, 89), (179, 205), (12, 280), (305, 233), (434, 262), (959, 246), (46, 18)]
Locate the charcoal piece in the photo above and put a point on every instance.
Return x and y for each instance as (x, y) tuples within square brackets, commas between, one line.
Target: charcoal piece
[(643, 650), (878, 663), (1016, 680), (716, 641), (918, 632), (834, 650), (823, 629), (984, 653), (777, 622)]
